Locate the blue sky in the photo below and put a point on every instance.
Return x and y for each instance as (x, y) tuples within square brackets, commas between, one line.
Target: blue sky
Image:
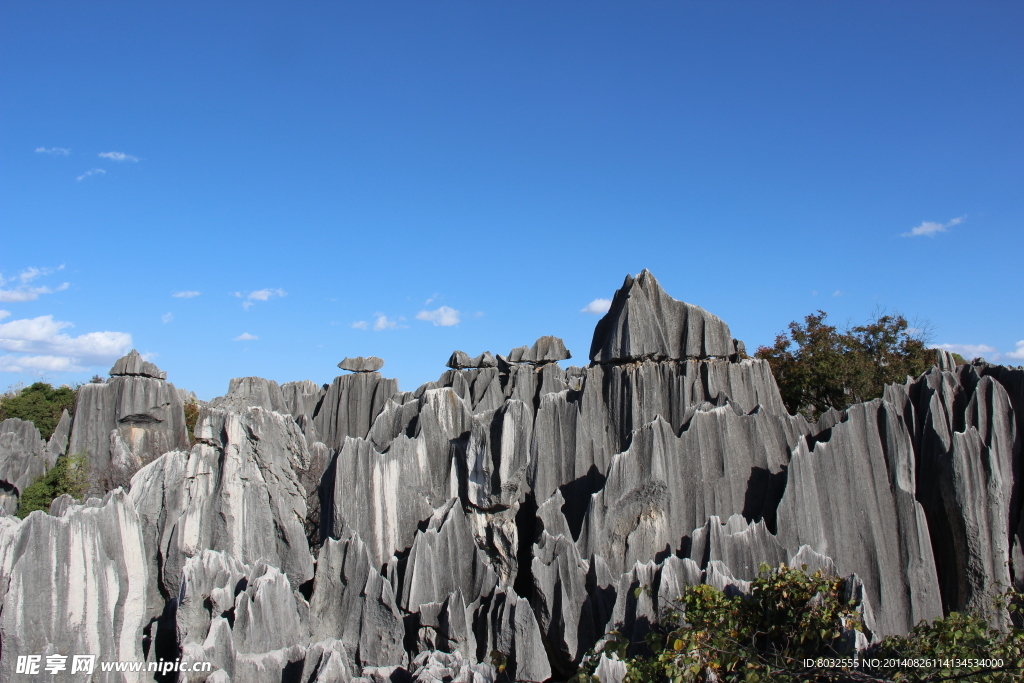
[(265, 188)]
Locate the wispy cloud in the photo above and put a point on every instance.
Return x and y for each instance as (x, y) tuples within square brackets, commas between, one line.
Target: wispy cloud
[(930, 228), (4, 314), (94, 171), (445, 316), (55, 151), (433, 297), (1017, 353), (167, 317), (185, 295), (41, 344), (597, 307), (838, 292), (22, 291), (382, 322), (361, 325), (245, 336), (117, 156), (259, 295)]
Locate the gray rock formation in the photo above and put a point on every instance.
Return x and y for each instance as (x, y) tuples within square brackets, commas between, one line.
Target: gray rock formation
[(133, 365), (24, 456), (646, 323), (544, 350), (500, 522), (872, 524), (73, 584), (351, 404), (248, 392), (361, 364), (130, 420), (236, 491), (460, 360)]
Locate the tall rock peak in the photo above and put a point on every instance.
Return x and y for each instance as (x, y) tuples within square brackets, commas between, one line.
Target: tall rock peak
[(645, 323), (133, 365)]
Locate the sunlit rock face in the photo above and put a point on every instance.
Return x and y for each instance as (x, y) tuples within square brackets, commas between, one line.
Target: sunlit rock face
[(498, 522)]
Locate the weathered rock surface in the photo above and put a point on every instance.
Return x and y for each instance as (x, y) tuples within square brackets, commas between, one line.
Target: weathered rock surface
[(351, 404), (460, 360), (646, 323), (512, 512), (73, 584), (130, 420), (361, 364), (545, 350), (23, 457), (133, 365), (236, 491), (248, 392)]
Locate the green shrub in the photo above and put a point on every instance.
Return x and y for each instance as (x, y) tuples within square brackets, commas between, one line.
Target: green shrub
[(790, 617), (191, 416), (40, 404), (68, 475)]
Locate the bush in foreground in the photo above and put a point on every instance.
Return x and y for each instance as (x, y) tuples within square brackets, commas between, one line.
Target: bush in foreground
[(791, 617)]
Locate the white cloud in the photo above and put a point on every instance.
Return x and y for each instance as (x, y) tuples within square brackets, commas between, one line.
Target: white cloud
[(382, 322), (117, 156), (38, 364), (445, 316), (43, 342), (56, 151), (185, 295), (89, 173), (22, 292), (597, 307), (259, 295), (4, 314), (931, 228), (167, 317), (970, 351), (245, 336), (1017, 353), (360, 325), (838, 293), (433, 297)]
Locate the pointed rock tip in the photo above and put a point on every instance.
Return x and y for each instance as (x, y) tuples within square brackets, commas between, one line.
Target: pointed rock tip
[(133, 365)]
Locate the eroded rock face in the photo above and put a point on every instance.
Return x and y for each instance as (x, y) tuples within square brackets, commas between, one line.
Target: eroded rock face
[(646, 323), (133, 365), (361, 364), (24, 456), (236, 491), (73, 584), (122, 424), (512, 512)]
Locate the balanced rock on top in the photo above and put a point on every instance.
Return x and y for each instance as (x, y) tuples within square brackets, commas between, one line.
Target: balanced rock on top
[(361, 364)]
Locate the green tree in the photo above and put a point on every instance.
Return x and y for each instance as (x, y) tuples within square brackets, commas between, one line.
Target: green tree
[(68, 475), (41, 404), (818, 367)]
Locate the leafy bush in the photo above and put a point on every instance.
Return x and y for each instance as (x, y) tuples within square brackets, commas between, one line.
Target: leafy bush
[(191, 416), (68, 475), (833, 369), (790, 617), (41, 404)]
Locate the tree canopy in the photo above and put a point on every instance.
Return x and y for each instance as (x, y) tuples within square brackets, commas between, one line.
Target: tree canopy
[(40, 404), (818, 367)]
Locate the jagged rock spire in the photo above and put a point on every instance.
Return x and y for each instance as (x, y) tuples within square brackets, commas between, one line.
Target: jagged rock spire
[(646, 323)]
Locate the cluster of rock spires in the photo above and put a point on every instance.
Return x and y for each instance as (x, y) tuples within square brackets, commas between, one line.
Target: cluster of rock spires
[(497, 523)]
